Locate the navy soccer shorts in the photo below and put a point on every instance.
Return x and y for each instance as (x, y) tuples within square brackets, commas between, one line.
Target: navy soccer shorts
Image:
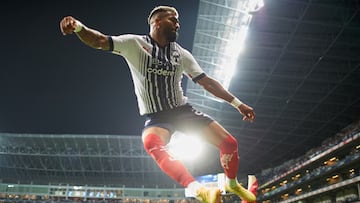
[(184, 119)]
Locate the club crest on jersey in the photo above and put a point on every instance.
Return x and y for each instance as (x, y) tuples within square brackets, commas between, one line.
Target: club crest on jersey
[(175, 57)]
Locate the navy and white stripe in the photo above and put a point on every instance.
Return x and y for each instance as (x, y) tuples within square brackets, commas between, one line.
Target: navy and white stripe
[(156, 71)]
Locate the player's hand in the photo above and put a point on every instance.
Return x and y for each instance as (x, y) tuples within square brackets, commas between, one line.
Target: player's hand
[(247, 112), (67, 25)]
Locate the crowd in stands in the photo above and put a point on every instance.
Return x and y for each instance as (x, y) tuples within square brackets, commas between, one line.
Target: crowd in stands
[(26, 198), (274, 173), (226, 199)]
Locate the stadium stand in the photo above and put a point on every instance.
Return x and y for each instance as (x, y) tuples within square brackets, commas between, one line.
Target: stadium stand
[(329, 173)]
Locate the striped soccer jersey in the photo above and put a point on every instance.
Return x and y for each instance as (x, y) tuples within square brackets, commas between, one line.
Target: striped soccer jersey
[(156, 72)]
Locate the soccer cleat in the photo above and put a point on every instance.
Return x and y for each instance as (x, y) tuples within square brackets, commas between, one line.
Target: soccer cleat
[(252, 186), (244, 194), (208, 195)]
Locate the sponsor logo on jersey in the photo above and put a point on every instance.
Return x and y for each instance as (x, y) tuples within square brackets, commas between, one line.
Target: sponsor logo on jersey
[(160, 67), (160, 71), (157, 62)]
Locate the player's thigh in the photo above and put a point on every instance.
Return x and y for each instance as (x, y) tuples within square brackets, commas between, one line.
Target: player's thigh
[(163, 133), (215, 133)]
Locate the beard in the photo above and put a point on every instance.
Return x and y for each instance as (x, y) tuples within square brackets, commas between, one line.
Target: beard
[(171, 36)]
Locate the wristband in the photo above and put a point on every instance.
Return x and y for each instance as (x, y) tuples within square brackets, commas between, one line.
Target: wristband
[(79, 26), (236, 102)]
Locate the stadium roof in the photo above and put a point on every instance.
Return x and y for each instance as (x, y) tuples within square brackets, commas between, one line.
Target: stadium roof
[(300, 70)]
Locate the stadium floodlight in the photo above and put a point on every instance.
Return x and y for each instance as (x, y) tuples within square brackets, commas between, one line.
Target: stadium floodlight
[(235, 37), (219, 40)]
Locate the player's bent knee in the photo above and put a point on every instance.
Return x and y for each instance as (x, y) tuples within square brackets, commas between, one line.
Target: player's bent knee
[(232, 141), (152, 141), (229, 143)]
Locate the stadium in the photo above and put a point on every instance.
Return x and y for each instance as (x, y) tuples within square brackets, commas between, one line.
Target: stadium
[(295, 61)]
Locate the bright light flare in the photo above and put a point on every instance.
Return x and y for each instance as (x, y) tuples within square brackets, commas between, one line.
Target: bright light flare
[(185, 147), (235, 38)]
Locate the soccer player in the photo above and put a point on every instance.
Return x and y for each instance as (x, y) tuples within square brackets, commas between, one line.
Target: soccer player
[(157, 64)]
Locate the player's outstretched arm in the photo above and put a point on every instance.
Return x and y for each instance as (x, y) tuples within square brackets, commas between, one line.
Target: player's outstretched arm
[(215, 88), (91, 37)]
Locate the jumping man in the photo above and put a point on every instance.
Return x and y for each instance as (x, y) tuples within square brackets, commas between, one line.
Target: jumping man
[(157, 64)]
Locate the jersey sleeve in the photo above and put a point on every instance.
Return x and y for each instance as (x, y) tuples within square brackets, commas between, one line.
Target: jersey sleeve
[(122, 44), (191, 67)]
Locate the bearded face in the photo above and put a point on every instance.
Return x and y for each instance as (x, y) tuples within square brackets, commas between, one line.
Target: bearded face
[(171, 35), (168, 26)]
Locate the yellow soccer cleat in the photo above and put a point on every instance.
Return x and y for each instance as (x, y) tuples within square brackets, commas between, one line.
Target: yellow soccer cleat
[(252, 185), (209, 195), (240, 191)]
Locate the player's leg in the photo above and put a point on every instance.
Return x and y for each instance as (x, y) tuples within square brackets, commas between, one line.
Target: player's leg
[(229, 157), (154, 140)]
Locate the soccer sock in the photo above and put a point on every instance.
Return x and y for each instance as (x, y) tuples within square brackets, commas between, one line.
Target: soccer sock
[(172, 167), (229, 158), (231, 182)]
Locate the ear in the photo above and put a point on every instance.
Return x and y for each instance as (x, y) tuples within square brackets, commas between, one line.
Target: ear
[(157, 22)]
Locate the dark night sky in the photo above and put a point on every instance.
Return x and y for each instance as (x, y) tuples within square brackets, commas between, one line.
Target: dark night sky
[(50, 83)]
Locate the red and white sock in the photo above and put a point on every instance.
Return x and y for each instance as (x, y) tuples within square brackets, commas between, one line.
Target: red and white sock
[(172, 167), (229, 156)]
